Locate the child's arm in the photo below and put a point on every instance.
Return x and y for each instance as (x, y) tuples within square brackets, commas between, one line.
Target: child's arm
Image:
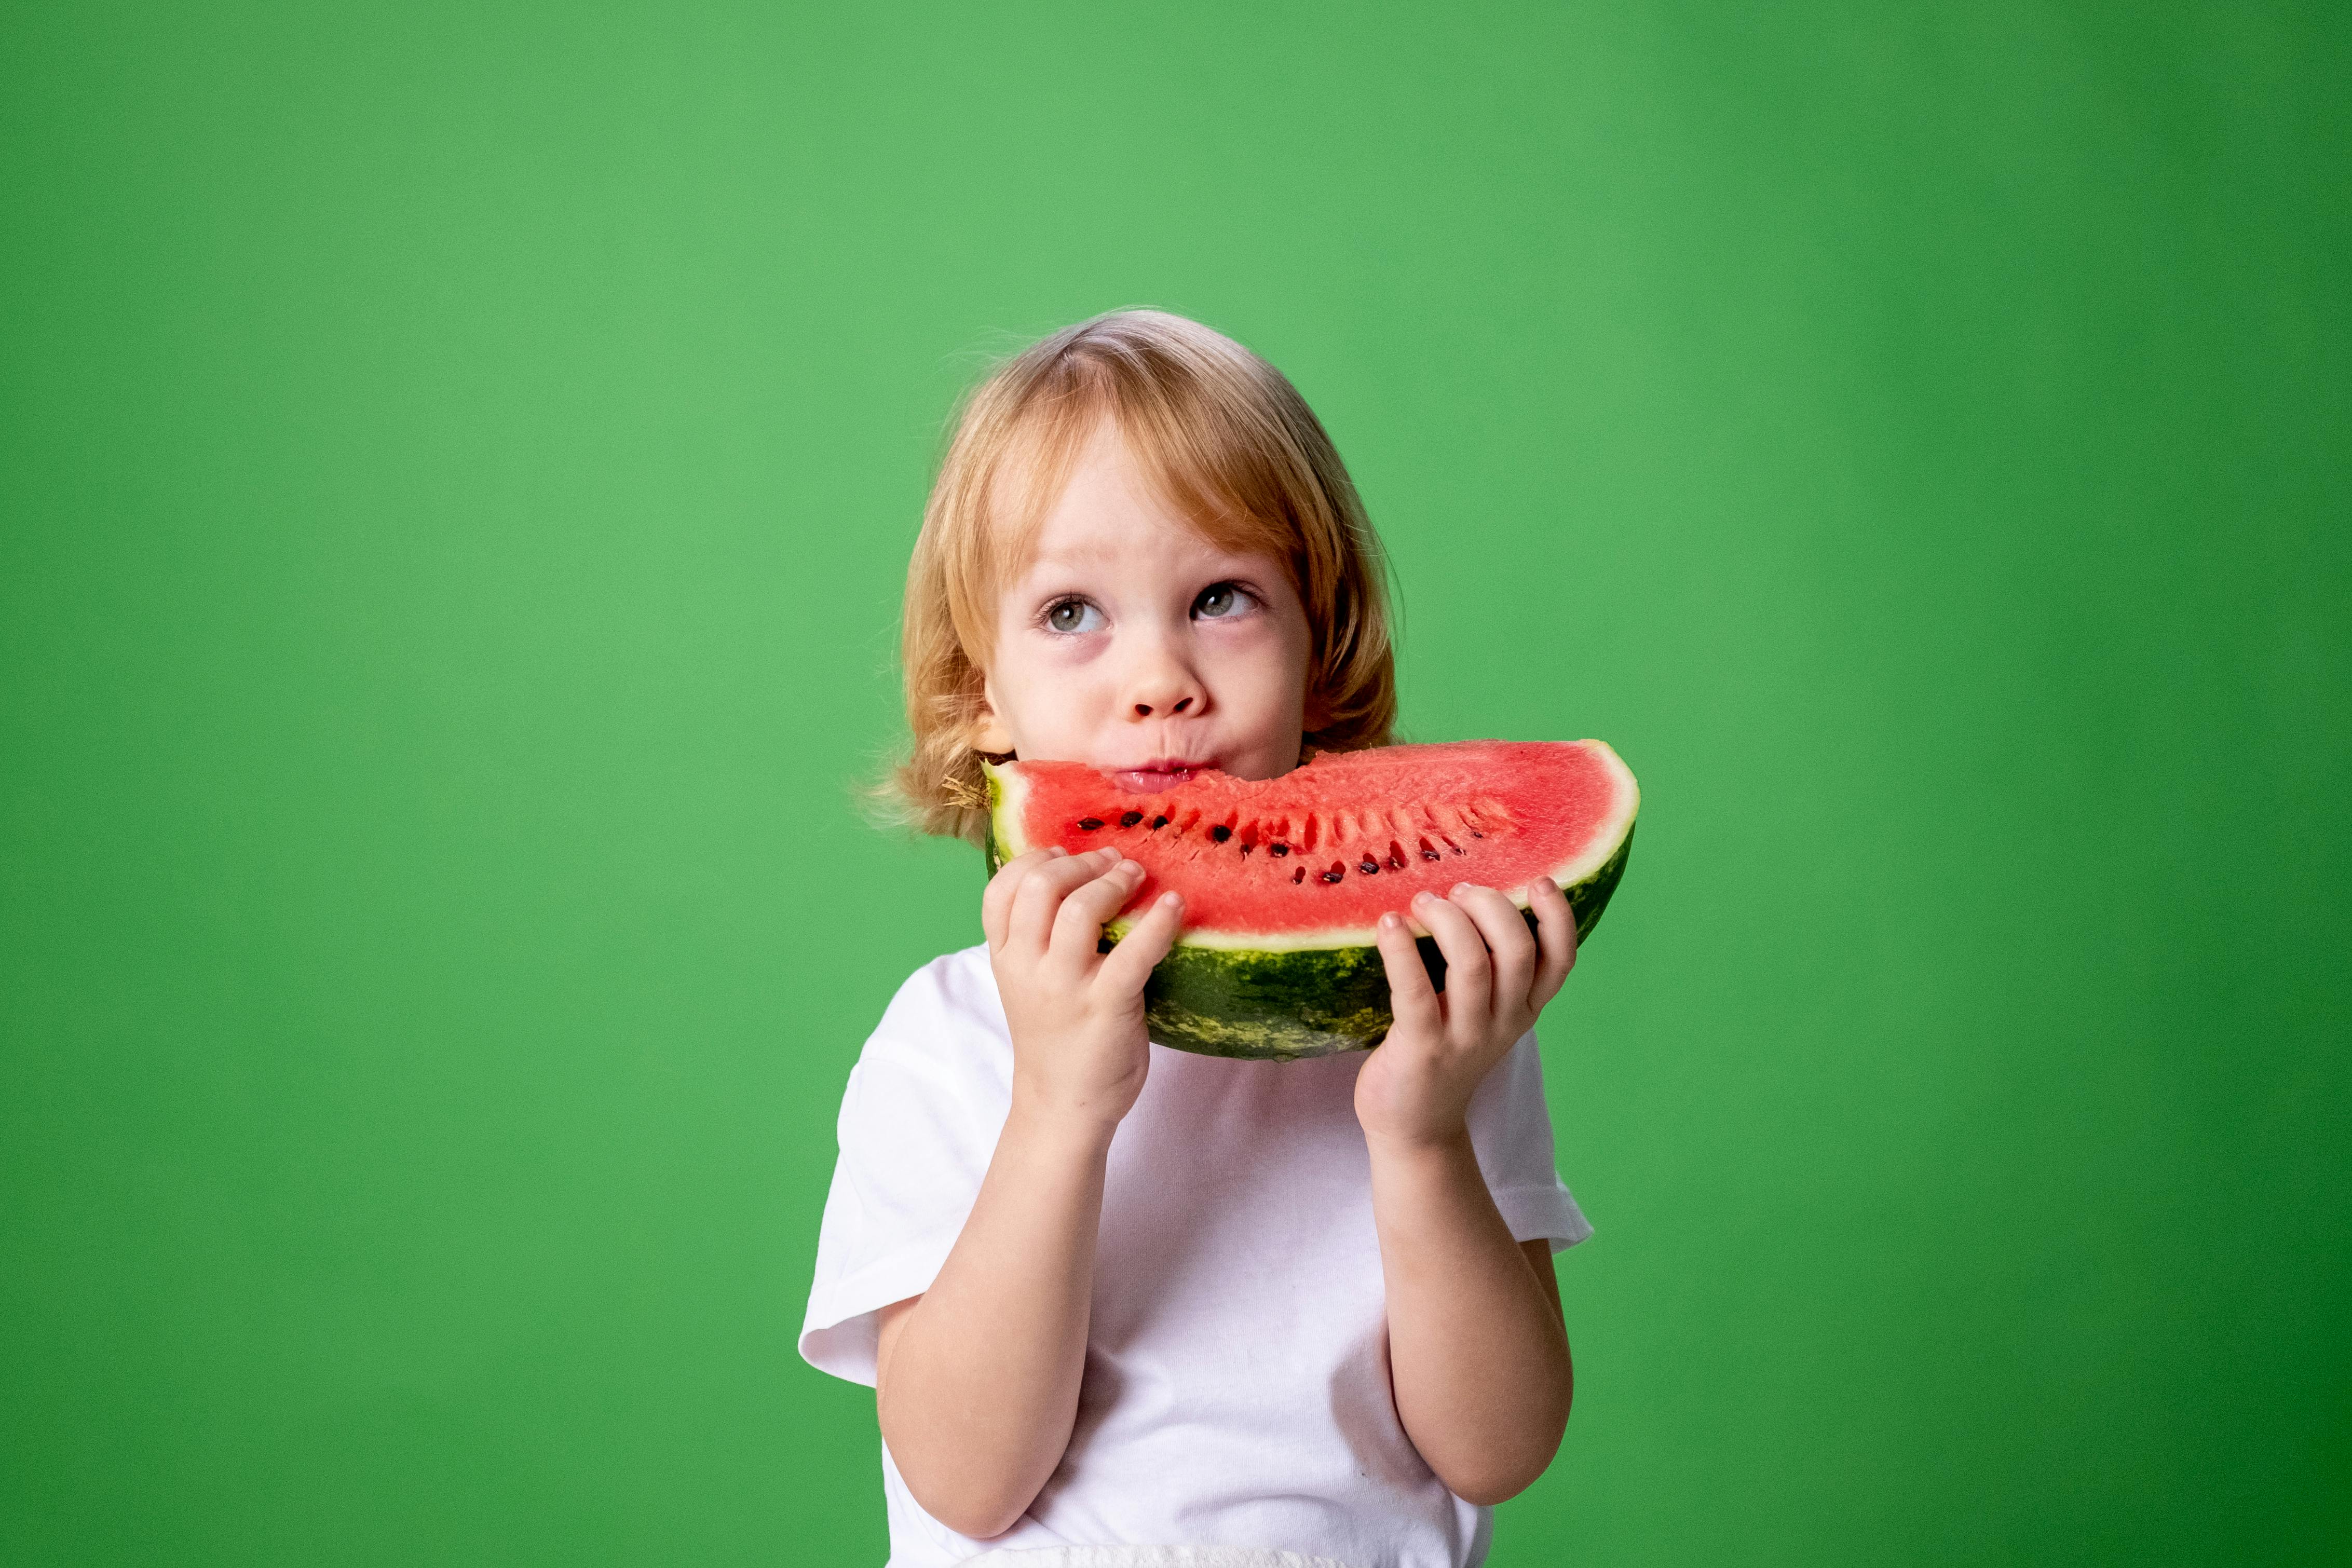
[(977, 1379), (1478, 1352)]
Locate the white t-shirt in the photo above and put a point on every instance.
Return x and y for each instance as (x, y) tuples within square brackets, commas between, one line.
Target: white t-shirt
[(1236, 1389)]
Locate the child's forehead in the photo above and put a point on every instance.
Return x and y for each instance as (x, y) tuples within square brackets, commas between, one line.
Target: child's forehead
[(1101, 502)]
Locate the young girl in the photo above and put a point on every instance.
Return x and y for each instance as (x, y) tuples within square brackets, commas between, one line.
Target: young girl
[(1121, 1304)]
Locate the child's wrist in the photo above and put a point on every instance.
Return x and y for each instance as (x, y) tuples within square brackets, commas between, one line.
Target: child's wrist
[(1431, 1145), (1040, 1116)]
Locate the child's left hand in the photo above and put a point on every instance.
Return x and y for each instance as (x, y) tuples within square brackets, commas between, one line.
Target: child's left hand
[(1415, 1088)]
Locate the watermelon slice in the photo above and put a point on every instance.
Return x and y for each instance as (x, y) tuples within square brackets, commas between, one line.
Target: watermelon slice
[(1284, 878)]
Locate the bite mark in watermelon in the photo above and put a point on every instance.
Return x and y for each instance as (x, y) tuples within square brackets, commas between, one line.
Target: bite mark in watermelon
[(1286, 879)]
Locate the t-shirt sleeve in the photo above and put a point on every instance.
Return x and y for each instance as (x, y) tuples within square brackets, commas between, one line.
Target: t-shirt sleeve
[(920, 1121), (1510, 1129)]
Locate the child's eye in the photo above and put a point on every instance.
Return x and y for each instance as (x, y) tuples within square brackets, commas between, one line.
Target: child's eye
[(1073, 615), (1221, 601)]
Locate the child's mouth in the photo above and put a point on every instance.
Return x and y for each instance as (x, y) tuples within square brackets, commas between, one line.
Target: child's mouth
[(1156, 776)]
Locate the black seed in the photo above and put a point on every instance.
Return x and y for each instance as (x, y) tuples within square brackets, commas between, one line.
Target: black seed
[(1476, 834), (1278, 851), (1370, 867), (1158, 824), (1396, 862), (1336, 873), (1299, 876), (1090, 823), (1429, 854), (1221, 833), (1130, 819), (1246, 848)]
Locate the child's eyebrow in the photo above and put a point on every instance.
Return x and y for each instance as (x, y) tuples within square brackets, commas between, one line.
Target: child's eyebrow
[(1207, 557)]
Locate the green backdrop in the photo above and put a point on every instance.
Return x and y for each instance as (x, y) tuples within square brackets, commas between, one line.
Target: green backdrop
[(457, 467)]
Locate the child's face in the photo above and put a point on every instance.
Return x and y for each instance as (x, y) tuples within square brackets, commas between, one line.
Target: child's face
[(1129, 643)]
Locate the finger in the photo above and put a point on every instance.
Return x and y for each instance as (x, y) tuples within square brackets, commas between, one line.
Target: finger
[(996, 903), (1469, 977), (1077, 929), (1039, 897), (1509, 943), (1146, 943), (1555, 936), (1412, 998)]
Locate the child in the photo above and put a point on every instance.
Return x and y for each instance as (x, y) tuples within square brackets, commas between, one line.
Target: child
[(1115, 1298)]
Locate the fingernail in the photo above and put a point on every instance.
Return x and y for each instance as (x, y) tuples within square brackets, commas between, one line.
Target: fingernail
[(1460, 888), (1423, 896), (1056, 853), (1387, 922), (1173, 900)]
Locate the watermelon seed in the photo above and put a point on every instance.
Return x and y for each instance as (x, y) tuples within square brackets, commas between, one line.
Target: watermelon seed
[(1370, 866), (1426, 853), (1158, 824), (1130, 819), (1221, 833), (1090, 823), (1299, 876), (1278, 851), (1335, 874), (1396, 856), (1246, 848)]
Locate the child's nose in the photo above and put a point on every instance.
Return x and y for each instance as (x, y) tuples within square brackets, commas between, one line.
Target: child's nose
[(1161, 685)]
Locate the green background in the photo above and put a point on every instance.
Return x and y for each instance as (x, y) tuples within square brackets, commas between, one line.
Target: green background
[(457, 469)]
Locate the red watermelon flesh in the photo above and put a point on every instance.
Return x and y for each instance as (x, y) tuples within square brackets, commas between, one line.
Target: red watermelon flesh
[(1314, 858)]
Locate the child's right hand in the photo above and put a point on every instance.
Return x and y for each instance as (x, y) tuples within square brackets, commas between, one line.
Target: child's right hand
[(1076, 1013)]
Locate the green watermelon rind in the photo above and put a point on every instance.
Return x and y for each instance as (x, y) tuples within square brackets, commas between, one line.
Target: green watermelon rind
[(1284, 1004)]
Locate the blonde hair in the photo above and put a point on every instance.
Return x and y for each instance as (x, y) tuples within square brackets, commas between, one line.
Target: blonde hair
[(1229, 442)]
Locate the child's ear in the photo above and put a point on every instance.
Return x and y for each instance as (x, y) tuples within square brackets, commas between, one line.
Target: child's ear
[(988, 731)]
